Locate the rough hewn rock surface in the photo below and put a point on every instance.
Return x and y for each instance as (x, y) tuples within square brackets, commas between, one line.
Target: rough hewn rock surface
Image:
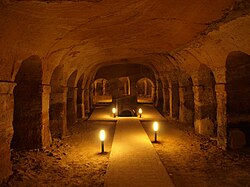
[(57, 47)]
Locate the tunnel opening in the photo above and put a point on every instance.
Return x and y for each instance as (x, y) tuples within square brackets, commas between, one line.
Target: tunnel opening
[(27, 117), (127, 113), (238, 100), (57, 108), (101, 92), (145, 90)]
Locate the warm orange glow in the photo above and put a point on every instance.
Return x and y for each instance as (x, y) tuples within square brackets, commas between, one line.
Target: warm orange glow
[(140, 111), (113, 110), (156, 126), (102, 135)]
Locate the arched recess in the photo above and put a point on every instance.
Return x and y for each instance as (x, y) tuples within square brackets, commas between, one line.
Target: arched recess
[(80, 98), (238, 98), (30, 120), (145, 90), (205, 102), (124, 86), (186, 94), (58, 104), (174, 99), (72, 99), (165, 93), (101, 91)]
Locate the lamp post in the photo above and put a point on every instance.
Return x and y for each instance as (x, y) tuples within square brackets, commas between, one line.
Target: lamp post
[(114, 111), (155, 127), (140, 112), (102, 138)]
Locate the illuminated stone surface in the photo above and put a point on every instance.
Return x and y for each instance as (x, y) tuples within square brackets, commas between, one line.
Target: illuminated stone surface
[(133, 160), (195, 53)]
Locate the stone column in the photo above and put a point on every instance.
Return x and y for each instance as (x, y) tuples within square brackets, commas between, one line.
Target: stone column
[(58, 112), (197, 107), (86, 101), (174, 101), (72, 105), (6, 127), (221, 97), (103, 87), (145, 87), (95, 86), (165, 101), (182, 106), (45, 131)]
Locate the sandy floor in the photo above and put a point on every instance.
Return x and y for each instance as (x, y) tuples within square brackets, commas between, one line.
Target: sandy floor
[(74, 161), (194, 161)]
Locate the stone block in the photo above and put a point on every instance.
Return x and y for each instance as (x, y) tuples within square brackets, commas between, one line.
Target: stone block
[(205, 127)]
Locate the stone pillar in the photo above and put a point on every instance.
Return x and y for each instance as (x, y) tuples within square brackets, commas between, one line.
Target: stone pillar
[(182, 106), (156, 92), (197, 107), (221, 97), (145, 87), (165, 101), (58, 112), (95, 86), (86, 101), (170, 102), (72, 105), (45, 131), (82, 104), (174, 101), (103, 87), (186, 105), (203, 123), (6, 127)]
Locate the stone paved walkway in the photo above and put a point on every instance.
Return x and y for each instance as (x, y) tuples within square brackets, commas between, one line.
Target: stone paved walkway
[(133, 160)]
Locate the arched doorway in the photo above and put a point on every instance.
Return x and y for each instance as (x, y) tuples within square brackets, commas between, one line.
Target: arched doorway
[(101, 91), (29, 130), (145, 90), (238, 98)]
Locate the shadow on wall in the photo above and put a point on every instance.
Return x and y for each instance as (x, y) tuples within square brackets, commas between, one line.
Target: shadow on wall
[(238, 99)]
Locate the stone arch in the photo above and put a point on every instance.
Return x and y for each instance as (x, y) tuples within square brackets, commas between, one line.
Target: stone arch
[(72, 99), (145, 90), (127, 113), (238, 100), (186, 94), (58, 101), (30, 118), (101, 91), (124, 86), (205, 102)]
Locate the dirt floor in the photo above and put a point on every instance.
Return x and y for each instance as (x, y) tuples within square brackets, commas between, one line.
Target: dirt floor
[(74, 161), (191, 160), (194, 161)]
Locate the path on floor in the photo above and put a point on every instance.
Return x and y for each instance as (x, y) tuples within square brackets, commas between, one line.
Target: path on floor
[(133, 160)]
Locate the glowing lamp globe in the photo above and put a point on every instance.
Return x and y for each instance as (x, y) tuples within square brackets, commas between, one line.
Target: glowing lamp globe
[(140, 111), (155, 126), (113, 110), (102, 135)]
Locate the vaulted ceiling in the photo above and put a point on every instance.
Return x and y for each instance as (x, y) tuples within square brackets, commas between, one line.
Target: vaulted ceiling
[(91, 32)]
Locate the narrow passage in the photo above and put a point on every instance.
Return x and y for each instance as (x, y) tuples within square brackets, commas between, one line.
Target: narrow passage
[(133, 160)]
